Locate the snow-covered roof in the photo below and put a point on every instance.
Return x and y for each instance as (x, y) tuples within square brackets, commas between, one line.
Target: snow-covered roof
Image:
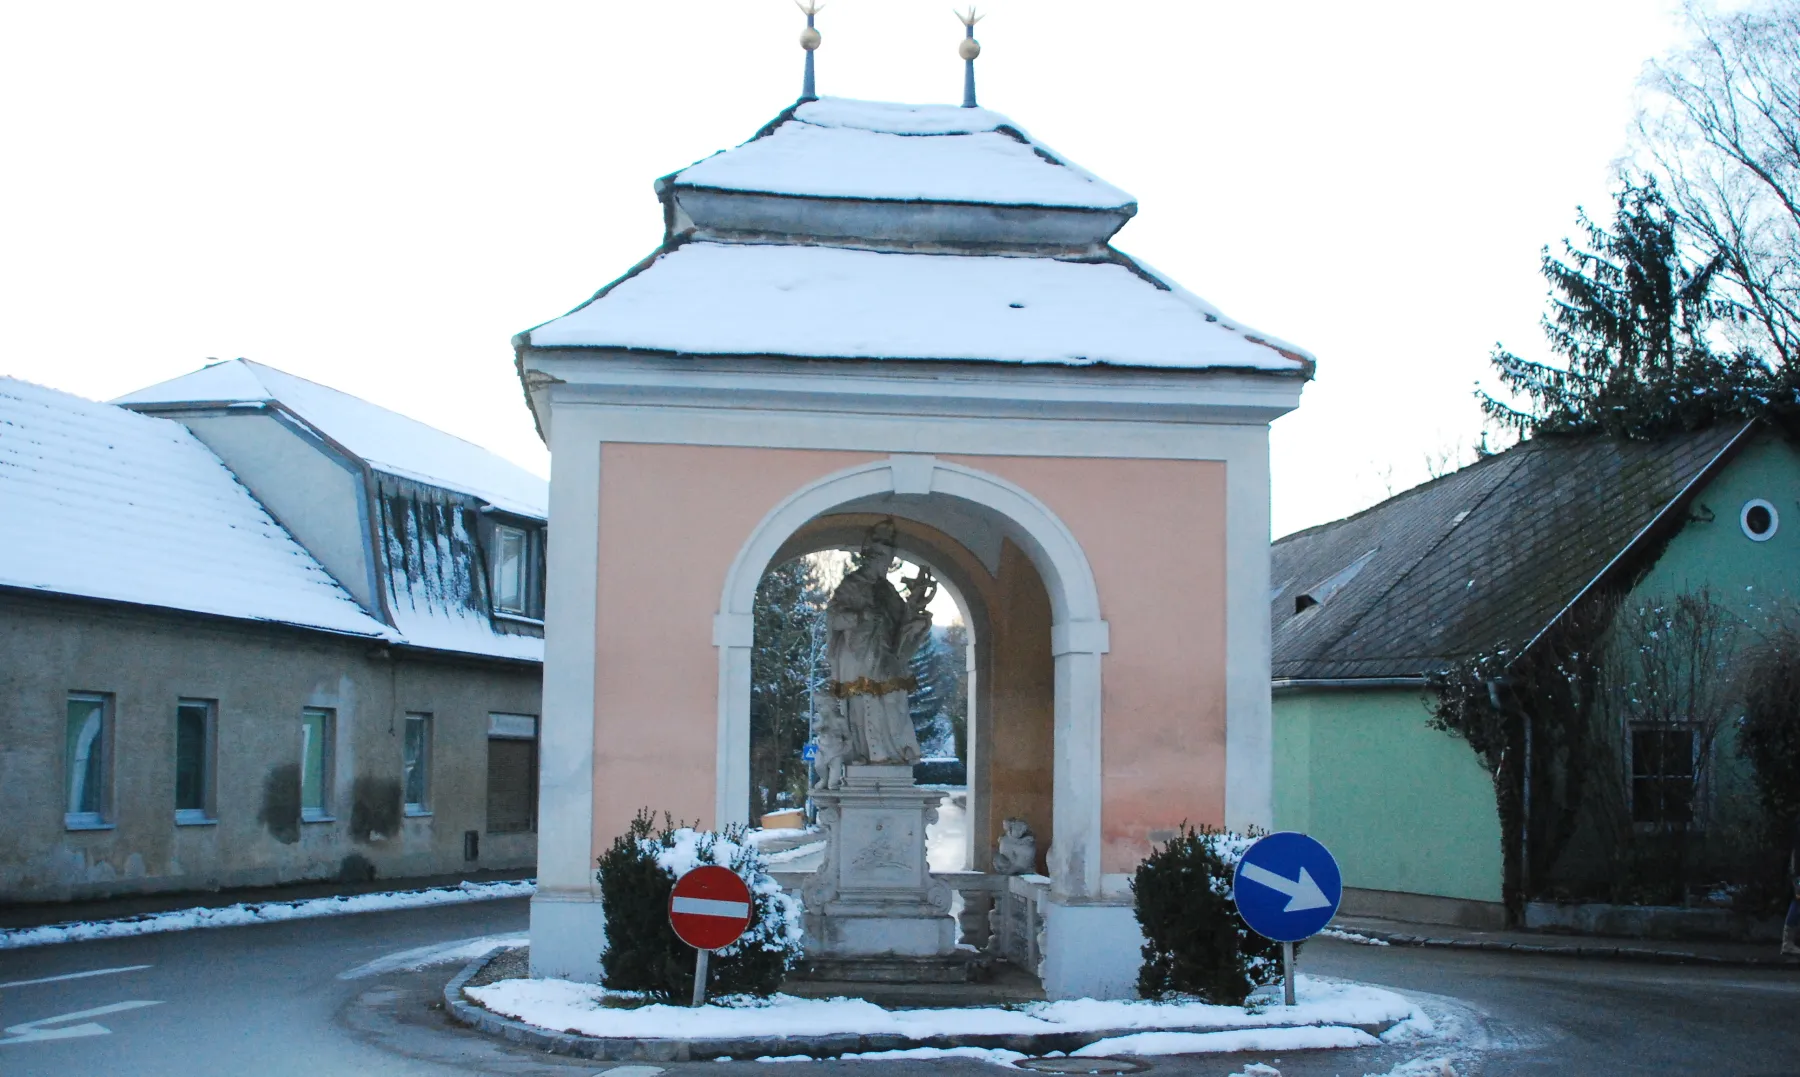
[(386, 440), (707, 298), (101, 502), (840, 148)]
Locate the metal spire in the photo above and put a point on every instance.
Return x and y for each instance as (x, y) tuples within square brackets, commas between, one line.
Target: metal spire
[(968, 50), (809, 40)]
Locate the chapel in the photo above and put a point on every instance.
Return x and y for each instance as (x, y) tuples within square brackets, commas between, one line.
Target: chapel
[(874, 312)]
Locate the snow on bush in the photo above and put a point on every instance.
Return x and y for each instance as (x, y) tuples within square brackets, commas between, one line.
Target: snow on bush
[(1195, 943), (642, 952)]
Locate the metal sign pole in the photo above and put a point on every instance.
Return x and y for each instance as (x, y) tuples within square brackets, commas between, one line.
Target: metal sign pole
[(700, 957), (1287, 973)]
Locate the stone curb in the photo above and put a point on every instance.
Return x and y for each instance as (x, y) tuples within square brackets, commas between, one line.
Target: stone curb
[(621, 1049), (1627, 953)]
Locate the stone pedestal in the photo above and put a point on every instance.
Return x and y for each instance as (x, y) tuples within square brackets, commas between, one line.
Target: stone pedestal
[(873, 911)]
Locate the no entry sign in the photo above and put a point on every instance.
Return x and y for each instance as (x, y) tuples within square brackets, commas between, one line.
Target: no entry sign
[(709, 907)]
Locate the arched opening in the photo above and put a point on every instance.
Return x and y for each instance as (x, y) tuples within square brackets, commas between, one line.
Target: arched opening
[(1031, 605), (788, 667)]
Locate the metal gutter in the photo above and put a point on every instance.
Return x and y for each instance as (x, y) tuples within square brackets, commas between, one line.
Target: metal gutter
[(1300, 684)]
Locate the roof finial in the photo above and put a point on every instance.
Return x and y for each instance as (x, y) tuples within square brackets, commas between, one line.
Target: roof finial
[(968, 50), (809, 40)]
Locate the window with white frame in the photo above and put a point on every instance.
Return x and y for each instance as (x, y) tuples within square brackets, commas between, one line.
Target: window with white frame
[(315, 763), (195, 730), (416, 764), (87, 766), (512, 570), (1664, 766)]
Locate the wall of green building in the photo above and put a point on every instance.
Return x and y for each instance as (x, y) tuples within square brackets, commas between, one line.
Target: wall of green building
[(1756, 580), (1759, 583), (1403, 807)]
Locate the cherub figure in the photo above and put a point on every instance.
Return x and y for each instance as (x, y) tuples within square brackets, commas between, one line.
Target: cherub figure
[(832, 735), (1016, 852)]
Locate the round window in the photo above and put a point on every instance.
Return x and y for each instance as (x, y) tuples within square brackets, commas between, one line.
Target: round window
[(1759, 520)]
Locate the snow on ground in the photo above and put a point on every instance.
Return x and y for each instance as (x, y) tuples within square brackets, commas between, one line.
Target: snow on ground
[(268, 912), (710, 298), (799, 852), (1351, 936), (560, 1005)]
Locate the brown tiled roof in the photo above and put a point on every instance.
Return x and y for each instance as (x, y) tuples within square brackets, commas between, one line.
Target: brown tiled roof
[(1488, 555)]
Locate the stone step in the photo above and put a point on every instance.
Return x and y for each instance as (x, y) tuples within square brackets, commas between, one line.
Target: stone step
[(961, 967), (1005, 985)]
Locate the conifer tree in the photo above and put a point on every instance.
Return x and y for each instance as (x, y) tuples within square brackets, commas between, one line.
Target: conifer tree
[(926, 703), (786, 664), (1630, 318)]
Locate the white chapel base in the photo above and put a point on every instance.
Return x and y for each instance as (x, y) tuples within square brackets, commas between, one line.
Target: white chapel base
[(1090, 950), (873, 911), (568, 935)]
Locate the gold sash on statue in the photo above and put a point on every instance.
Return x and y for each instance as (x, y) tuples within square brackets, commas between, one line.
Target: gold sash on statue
[(863, 686)]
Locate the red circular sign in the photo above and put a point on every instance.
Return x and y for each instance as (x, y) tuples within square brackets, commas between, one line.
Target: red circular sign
[(709, 907)]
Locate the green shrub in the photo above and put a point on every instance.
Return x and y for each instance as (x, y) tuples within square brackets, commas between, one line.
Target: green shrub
[(642, 952), (1195, 943)]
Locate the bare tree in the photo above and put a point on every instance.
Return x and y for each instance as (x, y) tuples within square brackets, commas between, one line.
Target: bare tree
[(1720, 132), (1450, 456)]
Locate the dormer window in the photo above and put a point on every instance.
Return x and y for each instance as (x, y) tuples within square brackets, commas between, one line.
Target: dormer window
[(515, 572), (510, 555)]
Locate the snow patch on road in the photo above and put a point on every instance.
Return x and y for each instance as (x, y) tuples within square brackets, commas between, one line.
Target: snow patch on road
[(997, 1056), (442, 953), (267, 912), (1351, 936), (1218, 1043)]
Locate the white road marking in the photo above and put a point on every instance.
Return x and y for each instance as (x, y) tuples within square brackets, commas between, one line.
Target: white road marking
[(735, 910), (630, 1071), (74, 976), (440, 953), (34, 1031)]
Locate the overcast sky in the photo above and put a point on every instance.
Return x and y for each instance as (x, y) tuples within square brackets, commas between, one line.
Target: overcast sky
[(377, 195)]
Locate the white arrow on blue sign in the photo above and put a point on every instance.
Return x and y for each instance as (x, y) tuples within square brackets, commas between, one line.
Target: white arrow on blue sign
[(1287, 887)]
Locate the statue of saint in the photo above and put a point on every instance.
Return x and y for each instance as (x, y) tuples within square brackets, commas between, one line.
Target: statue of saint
[(874, 632)]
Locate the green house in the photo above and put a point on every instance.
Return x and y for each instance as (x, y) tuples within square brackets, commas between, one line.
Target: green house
[(1367, 609)]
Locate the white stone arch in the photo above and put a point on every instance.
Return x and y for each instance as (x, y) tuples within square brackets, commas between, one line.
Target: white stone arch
[(1078, 638)]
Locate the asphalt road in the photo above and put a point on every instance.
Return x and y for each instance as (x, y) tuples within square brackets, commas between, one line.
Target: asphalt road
[(282, 1000)]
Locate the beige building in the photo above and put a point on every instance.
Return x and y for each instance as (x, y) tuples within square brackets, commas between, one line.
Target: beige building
[(871, 311), (287, 636)]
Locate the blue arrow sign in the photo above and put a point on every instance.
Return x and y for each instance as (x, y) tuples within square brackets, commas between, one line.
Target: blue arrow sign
[(1287, 887)]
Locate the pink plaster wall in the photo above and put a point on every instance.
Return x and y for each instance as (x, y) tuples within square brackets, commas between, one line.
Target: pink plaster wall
[(672, 519), (1154, 533)]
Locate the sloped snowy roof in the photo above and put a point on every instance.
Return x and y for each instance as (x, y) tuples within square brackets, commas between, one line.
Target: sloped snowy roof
[(101, 502), (386, 440), (769, 299), (840, 148)]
